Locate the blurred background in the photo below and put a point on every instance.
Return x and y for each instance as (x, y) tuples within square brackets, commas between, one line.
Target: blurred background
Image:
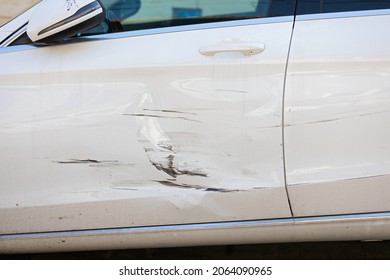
[(12, 8)]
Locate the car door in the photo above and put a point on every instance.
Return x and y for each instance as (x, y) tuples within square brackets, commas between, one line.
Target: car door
[(337, 108), (176, 118)]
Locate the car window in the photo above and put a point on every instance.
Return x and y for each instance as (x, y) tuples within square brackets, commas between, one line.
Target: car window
[(332, 6), (128, 15), (131, 15)]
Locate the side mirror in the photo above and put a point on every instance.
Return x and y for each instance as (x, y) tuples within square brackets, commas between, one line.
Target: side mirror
[(56, 20)]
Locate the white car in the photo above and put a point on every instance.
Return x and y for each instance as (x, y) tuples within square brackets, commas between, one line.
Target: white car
[(145, 123)]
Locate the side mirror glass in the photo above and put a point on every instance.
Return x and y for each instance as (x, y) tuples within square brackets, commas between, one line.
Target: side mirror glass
[(56, 20)]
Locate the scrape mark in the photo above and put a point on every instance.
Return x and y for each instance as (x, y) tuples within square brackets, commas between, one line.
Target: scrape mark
[(196, 187), (170, 111), (336, 119), (162, 117), (231, 90), (124, 189), (341, 180), (78, 161), (220, 190), (172, 171), (166, 147), (314, 122), (172, 184), (85, 161), (165, 152)]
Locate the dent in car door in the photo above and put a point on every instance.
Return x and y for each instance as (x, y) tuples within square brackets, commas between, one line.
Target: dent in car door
[(144, 130), (337, 113)]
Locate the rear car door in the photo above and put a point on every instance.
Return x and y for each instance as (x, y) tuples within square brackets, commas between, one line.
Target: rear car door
[(174, 116), (337, 137)]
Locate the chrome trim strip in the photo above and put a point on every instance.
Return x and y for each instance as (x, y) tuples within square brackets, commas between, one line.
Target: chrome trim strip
[(342, 15), (344, 217), (193, 227), (18, 48), (14, 36), (193, 27), (144, 229)]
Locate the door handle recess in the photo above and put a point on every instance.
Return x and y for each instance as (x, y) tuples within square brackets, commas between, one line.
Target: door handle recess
[(245, 48)]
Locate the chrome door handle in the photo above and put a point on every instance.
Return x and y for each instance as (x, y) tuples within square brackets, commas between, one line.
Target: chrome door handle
[(246, 48)]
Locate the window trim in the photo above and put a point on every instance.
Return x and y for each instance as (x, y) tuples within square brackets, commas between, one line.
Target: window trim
[(363, 13), (14, 36), (192, 27)]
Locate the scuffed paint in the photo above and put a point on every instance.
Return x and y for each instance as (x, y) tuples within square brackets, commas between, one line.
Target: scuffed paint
[(168, 167), (156, 116), (84, 161), (142, 139), (186, 186)]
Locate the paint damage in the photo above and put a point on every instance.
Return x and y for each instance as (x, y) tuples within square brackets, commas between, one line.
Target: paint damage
[(196, 187), (157, 116), (169, 168), (85, 161)]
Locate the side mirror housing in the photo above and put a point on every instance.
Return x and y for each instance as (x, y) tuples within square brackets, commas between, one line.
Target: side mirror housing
[(56, 20)]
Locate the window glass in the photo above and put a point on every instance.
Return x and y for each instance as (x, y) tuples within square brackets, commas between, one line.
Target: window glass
[(332, 6), (127, 15)]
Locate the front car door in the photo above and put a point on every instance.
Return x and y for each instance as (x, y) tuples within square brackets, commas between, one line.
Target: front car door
[(174, 119)]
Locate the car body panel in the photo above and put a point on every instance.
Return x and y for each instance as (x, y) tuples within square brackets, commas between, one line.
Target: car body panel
[(337, 139), (127, 132)]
